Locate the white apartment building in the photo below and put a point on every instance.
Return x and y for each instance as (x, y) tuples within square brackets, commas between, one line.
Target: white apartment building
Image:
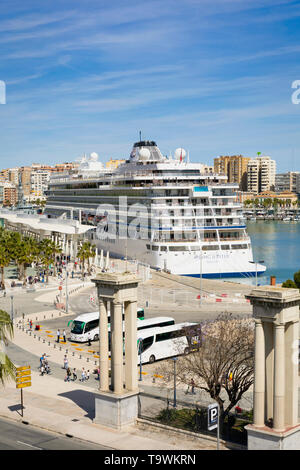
[(39, 183), (261, 173), (253, 176), (13, 176)]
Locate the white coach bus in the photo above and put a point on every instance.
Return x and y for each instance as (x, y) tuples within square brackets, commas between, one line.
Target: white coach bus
[(85, 327), (163, 342)]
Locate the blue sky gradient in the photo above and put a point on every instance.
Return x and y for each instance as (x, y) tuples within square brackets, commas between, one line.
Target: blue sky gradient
[(212, 76)]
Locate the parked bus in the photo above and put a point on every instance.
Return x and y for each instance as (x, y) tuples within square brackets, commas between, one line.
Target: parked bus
[(160, 343), (85, 327)]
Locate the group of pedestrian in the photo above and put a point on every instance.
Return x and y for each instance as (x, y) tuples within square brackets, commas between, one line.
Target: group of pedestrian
[(69, 374), (85, 375), (59, 335), (44, 365)]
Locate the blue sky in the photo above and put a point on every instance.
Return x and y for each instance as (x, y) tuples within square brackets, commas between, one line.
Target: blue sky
[(212, 76)]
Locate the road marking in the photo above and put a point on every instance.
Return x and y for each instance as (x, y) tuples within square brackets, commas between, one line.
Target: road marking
[(29, 445)]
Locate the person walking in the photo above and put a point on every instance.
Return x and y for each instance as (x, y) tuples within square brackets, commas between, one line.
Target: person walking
[(66, 363), (64, 335), (87, 375), (69, 373), (58, 336), (74, 375), (47, 367), (193, 387), (83, 376)]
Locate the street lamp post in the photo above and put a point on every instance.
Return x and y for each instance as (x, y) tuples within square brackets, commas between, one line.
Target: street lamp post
[(140, 348), (256, 263), (175, 360), (12, 308), (67, 293)]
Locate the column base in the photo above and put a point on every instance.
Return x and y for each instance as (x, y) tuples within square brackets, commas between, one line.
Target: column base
[(264, 438), (116, 411)]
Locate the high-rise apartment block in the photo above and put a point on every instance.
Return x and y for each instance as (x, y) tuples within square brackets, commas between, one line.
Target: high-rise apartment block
[(287, 181), (25, 181), (8, 194), (261, 173), (235, 167), (39, 183)]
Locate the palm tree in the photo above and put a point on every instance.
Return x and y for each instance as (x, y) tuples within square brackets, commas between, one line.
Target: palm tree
[(26, 254), (6, 252), (46, 253), (7, 368), (85, 252)]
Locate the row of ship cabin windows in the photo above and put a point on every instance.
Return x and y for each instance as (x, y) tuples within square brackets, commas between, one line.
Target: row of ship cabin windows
[(243, 246)]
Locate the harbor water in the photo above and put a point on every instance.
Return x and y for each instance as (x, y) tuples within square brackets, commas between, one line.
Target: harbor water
[(277, 244)]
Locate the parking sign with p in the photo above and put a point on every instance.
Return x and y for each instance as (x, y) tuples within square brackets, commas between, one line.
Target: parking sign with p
[(213, 416)]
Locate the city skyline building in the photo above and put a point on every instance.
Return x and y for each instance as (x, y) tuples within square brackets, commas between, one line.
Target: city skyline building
[(234, 167), (261, 173)]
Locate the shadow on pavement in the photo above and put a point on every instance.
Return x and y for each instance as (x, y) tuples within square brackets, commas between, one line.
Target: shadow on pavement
[(16, 408), (83, 399)]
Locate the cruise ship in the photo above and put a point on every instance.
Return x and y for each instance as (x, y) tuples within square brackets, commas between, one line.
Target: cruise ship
[(164, 211)]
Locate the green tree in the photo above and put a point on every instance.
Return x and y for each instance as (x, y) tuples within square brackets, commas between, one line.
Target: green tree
[(47, 249), (26, 254), (295, 284), (7, 368), (86, 251), (6, 252)]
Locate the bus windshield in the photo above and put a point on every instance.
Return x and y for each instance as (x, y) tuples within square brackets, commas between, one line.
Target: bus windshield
[(78, 327)]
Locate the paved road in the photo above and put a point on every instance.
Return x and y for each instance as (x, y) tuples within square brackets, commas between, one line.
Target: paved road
[(19, 436)]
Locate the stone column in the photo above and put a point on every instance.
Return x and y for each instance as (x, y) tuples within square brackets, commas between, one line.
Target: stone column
[(279, 377), (259, 375), (291, 373), (117, 347), (269, 367), (103, 346), (131, 353)]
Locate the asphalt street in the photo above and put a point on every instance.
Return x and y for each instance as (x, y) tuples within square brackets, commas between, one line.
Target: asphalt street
[(19, 436)]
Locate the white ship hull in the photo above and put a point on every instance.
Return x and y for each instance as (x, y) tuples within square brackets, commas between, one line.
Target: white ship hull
[(220, 264)]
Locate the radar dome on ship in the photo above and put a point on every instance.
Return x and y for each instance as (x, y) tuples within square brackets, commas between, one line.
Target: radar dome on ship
[(144, 154), (94, 156), (180, 154)]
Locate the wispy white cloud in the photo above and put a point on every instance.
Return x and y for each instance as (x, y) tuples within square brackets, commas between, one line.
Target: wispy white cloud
[(34, 20)]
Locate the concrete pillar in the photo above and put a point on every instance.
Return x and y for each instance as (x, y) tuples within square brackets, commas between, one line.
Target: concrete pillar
[(103, 347), (259, 375), (269, 367), (279, 377), (117, 348), (131, 352), (291, 373)]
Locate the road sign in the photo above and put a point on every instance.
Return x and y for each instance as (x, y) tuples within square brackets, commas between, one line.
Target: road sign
[(23, 379), (27, 384), (213, 416), (24, 373)]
